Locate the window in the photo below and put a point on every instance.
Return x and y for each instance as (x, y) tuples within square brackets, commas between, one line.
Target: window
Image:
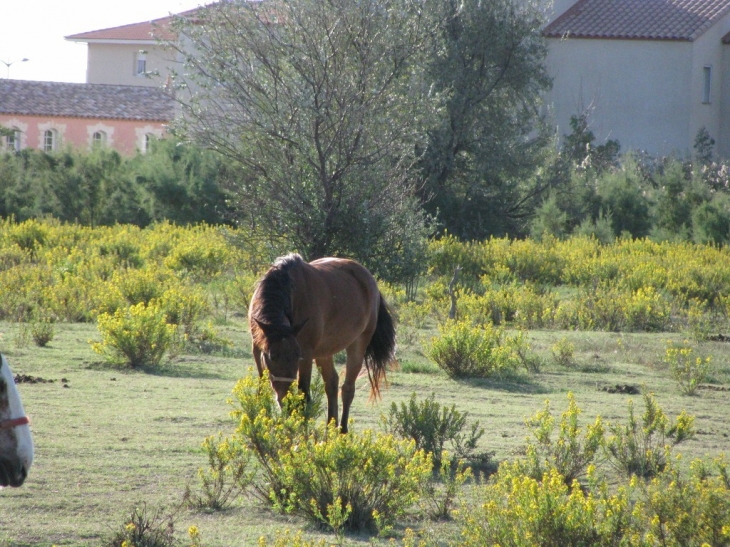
[(98, 139), (707, 84), (49, 140), (141, 63), (12, 141), (147, 143)]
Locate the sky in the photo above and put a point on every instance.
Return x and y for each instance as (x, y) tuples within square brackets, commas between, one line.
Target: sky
[(35, 30)]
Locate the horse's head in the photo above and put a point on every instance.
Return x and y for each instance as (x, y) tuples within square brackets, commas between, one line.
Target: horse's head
[(16, 443), (282, 355)]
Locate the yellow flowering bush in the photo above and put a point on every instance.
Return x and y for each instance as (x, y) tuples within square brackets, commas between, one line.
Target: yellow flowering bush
[(356, 481), (688, 369), (289, 539), (571, 453), (463, 350), (521, 511), (137, 336), (642, 448), (201, 253), (688, 510), (228, 474)]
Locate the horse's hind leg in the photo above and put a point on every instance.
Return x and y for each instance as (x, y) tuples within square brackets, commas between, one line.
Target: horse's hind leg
[(326, 367)]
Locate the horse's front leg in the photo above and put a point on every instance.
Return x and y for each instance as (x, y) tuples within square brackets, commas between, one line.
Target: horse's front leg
[(326, 367), (256, 351), (355, 356), (305, 377)]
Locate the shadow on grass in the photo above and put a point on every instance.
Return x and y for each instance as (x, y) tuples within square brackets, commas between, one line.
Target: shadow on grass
[(516, 384), (173, 369)]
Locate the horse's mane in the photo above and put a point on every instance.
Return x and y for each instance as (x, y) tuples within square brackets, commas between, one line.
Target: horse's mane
[(272, 301)]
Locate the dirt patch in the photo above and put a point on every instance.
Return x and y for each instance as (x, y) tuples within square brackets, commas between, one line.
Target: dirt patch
[(621, 388), (28, 379)]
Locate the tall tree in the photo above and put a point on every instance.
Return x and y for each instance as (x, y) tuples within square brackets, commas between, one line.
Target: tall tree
[(315, 101), (487, 63)]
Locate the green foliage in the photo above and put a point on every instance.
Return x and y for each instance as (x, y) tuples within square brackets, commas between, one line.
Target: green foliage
[(433, 428), (692, 510), (442, 492), (227, 476), (711, 222), (641, 448), (335, 177), (563, 352), (289, 539), (486, 63), (99, 187), (688, 370), (138, 336), (466, 351), (357, 481), (522, 511), (580, 149), (548, 220), (571, 453), (42, 332), (141, 529)]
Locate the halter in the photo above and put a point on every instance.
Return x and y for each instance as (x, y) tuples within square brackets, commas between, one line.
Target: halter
[(14, 422), (280, 378)]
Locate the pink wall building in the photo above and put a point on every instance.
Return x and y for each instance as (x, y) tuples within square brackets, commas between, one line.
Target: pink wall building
[(51, 115)]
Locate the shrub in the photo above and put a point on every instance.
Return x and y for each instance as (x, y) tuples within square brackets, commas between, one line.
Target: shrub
[(354, 481), (287, 539), (226, 477), (141, 286), (641, 449), (136, 336), (571, 453), (367, 479), (688, 370), (522, 511), (563, 352), (693, 510), (184, 307), (433, 427), (463, 350), (43, 332), (440, 494), (141, 529)]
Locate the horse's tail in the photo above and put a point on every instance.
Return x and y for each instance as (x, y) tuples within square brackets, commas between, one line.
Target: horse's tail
[(381, 349)]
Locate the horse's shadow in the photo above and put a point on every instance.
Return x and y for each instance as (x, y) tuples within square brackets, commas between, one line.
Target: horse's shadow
[(172, 369)]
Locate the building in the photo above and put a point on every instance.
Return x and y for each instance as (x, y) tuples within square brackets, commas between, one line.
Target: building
[(52, 115), (130, 54), (649, 73)]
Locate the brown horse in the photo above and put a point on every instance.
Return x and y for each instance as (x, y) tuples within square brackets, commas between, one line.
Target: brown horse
[(309, 311)]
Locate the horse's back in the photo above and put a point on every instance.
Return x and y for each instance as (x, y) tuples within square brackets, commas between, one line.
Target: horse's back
[(340, 298)]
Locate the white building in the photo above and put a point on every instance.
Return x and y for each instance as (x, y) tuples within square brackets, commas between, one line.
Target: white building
[(649, 73)]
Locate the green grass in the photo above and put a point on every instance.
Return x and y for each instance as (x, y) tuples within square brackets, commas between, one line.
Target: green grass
[(115, 438)]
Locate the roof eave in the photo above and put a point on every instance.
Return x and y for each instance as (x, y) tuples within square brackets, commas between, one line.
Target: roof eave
[(76, 116), (113, 41)]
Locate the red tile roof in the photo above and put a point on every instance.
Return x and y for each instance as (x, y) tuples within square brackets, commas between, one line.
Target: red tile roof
[(638, 19), (119, 102), (157, 29)]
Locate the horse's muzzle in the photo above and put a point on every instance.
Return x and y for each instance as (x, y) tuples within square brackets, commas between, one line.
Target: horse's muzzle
[(12, 473)]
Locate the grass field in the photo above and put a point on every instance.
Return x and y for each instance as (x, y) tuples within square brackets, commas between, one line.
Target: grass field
[(108, 439)]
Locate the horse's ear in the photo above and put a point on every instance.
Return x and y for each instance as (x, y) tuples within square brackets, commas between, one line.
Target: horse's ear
[(296, 328), (265, 327)]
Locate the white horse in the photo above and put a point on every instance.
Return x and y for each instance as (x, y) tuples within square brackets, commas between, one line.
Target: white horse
[(16, 443)]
